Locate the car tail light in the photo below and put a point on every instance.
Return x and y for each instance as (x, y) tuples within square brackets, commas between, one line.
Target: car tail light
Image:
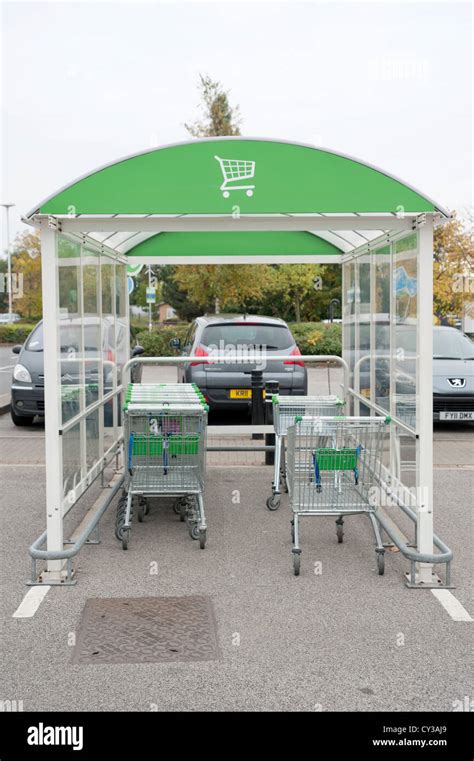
[(200, 352), (295, 353)]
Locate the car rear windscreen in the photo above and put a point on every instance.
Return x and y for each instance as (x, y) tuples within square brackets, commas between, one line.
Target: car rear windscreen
[(247, 334)]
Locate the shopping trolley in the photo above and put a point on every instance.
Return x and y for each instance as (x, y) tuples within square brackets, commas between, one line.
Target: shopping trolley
[(285, 409), (154, 392), (405, 406), (333, 464), (234, 170), (165, 448)]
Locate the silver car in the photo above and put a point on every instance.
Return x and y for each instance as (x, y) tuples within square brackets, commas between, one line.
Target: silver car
[(227, 385), (453, 376)]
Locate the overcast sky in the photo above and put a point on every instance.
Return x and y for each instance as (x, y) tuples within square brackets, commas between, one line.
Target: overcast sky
[(86, 83)]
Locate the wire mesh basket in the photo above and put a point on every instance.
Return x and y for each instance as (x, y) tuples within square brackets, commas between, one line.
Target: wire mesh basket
[(285, 409), (333, 465), (165, 447)]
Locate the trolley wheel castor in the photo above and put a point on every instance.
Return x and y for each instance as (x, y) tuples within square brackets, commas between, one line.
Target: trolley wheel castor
[(119, 531), (296, 563), (125, 539), (273, 502), (381, 563), (292, 531), (340, 534), (146, 507), (177, 507), (141, 512), (202, 539), (194, 531)]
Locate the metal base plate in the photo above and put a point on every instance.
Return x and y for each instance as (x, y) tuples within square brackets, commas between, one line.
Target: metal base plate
[(147, 630), (44, 579), (436, 583)]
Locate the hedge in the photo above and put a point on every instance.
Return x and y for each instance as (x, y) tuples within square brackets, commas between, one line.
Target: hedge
[(311, 337), (15, 333), (157, 343), (317, 337)]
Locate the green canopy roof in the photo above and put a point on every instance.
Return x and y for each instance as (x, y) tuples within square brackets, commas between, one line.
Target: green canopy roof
[(213, 176), (235, 197)]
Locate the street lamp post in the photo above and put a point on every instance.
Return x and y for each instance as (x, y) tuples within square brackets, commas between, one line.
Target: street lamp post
[(7, 207)]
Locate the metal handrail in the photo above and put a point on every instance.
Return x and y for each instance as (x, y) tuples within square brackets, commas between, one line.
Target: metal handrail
[(381, 411), (444, 556), (38, 554), (356, 391), (222, 358)]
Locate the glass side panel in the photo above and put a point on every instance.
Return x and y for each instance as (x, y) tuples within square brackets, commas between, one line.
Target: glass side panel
[(405, 289), (363, 357), (70, 328), (382, 326)]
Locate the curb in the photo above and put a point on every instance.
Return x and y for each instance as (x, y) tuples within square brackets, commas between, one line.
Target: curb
[(4, 404)]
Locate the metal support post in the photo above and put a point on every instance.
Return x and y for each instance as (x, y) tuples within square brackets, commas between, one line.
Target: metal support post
[(271, 388), (52, 397), (424, 406)]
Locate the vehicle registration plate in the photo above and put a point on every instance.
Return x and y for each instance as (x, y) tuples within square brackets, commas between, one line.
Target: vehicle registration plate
[(241, 393), (458, 415)]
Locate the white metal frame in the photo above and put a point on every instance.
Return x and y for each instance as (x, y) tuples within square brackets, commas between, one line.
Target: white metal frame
[(52, 400), (389, 226), (424, 393), (423, 434), (58, 504)]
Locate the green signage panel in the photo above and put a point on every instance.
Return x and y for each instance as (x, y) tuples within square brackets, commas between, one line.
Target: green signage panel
[(234, 175), (234, 244)]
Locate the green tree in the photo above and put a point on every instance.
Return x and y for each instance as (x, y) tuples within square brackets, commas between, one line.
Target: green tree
[(225, 286), (171, 292), (219, 117), (453, 285), (316, 303), (138, 295), (295, 282), (26, 263)]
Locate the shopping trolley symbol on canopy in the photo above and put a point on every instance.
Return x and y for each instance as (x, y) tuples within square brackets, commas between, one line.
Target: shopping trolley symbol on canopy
[(236, 170)]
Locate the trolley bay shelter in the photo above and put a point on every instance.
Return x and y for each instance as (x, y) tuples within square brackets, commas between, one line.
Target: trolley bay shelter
[(238, 200)]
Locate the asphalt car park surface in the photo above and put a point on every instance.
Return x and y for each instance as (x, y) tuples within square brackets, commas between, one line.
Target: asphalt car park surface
[(8, 361), (339, 637)]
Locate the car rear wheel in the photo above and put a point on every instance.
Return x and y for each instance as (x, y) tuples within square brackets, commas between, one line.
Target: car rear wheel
[(21, 419)]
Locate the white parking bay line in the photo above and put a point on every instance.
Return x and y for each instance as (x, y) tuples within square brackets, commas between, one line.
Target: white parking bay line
[(6, 367), (457, 611), (31, 602)]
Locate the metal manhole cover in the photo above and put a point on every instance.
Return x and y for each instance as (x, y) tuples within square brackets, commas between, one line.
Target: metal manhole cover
[(147, 630)]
